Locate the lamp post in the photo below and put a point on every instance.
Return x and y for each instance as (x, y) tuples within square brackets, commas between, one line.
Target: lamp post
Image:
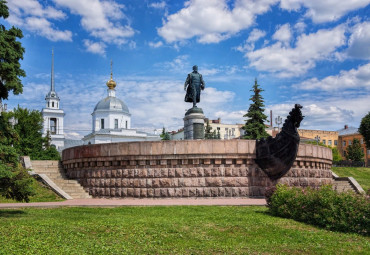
[(317, 139), (278, 121)]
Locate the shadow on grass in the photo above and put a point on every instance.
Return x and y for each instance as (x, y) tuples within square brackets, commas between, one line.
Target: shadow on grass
[(11, 213)]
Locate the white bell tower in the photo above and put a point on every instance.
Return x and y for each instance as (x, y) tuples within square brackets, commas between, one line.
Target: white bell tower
[(52, 115)]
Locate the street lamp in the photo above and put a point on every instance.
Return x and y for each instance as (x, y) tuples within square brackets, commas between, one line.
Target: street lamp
[(278, 122), (317, 139)]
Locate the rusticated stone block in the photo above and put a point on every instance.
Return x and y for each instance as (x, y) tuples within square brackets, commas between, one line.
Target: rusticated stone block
[(136, 192), (143, 173), (171, 172), (131, 173), (235, 191), (163, 192), (157, 172), (118, 192), (201, 182), (200, 171), (117, 182), (178, 192), (229, 182), (142, 183), (214, 192), (199, 192), (114, 173), (208, 171), (178, 172), (243, 191), (112, 192), (186, 172), (221, 192), (93, 182), (124, 173), (124, 192), (130, 192), (207, 192), (156, 183), (185, 192), (164, 172), (174, 182), (119, 173), (171, 192), (187, 182), (213, 181), (181, 182), (124, 182), (150, 172), (149, 183), (143, 192), (192, 192), (150, 192), (165, 182), (215, 172), (99, 173), (106, 191), (228, 192), (228, 171), (193, 172), (136, 183)]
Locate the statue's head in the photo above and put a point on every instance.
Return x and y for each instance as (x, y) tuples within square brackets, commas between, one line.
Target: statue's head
[(195, 68)]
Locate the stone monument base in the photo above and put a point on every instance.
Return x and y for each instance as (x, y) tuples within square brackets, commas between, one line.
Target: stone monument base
[(194, 124)]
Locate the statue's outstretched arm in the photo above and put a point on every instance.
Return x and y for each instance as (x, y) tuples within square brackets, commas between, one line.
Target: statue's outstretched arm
[(202, 83), (187, 82)]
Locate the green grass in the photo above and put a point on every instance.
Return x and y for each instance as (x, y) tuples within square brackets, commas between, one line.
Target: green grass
[(167, 230), (361, 174), (43, 194)]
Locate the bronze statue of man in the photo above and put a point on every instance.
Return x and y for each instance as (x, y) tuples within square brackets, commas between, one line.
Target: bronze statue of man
[(193, 84)]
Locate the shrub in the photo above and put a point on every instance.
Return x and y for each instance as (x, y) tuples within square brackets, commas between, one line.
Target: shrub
[(323, 207)]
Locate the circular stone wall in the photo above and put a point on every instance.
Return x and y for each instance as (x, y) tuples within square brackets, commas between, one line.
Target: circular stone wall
[(193, 168)]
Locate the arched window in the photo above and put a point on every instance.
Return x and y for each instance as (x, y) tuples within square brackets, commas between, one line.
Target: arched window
[(126, 124), (102, 123), (48, 104), (52, 104)]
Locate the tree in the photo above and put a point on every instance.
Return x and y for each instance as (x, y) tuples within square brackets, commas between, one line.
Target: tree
[(30, 141), (11, 52), (207, 131), (165, 135), (365, 129), (354, 151), (254, 127), (336, 154)]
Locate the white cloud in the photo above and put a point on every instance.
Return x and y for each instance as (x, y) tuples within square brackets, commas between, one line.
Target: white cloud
[(158, 5), (324, 11), (95, 47), (283, 34), (211, 21), (100, 19), (155, 44), (353, 79), (288, 61), (31, 15), (300, 27), (255, 35), (359, 41)]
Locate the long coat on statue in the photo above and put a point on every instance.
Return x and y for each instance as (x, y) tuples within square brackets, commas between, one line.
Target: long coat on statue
[(194, 83)]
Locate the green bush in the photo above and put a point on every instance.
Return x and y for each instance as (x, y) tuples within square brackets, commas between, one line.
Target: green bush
[(323, 207)]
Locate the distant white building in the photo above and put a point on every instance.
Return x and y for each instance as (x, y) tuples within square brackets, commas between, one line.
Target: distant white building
[(111, 121), (52, 114)]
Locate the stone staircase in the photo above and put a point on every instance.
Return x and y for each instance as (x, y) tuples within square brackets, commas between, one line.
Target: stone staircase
[(343, 185), (54, 171)]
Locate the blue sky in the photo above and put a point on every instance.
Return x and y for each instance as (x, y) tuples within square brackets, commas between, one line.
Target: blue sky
[(316, 53)]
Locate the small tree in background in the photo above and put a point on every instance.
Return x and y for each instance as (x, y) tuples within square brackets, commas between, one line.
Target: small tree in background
[(336, 154), (165, 135), (254, 126), (354, 151), (365, 129), (208, 131)]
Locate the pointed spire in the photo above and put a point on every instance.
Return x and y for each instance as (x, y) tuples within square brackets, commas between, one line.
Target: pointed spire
[(111, 69), (255, 81), (52, 71)]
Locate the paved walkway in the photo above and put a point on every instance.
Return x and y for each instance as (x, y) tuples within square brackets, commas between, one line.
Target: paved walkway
[(103, 202)]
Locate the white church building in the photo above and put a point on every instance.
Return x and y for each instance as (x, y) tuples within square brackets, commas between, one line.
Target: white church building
[(52, 115), (111, 121)]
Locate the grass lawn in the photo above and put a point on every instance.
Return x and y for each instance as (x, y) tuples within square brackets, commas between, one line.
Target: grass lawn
[(361, 174), (167, 230), (43, 194)]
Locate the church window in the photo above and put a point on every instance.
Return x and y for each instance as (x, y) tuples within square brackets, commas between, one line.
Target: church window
[(53, 126), (126, 124), (52, 104), (116, 124), (102, 123), (48, 104)]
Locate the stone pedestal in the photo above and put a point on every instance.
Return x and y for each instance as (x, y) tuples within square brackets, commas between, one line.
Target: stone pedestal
[(194, 124)]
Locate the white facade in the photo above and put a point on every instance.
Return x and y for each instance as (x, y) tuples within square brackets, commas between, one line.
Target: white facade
[(111, 122), (53, 116)]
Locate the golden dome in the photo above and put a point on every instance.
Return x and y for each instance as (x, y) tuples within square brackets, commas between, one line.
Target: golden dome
[(111, 83)]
